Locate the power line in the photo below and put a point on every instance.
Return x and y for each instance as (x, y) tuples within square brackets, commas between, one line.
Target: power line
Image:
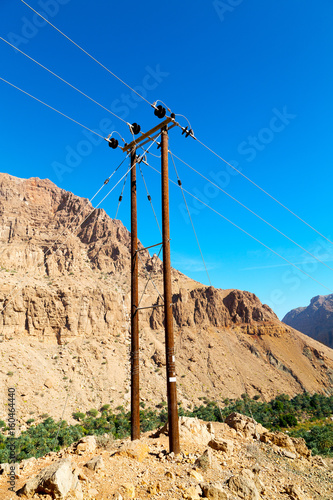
[(189, 214), (121, 196), (254, 213), (48, 106), (192, 135), (65, 81), (150, 200), (247, 233), (261, 189), (87, 53)]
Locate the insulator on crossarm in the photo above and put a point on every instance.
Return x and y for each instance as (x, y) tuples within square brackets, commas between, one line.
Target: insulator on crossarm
[(160, 112), (113, 143), (135, 128)]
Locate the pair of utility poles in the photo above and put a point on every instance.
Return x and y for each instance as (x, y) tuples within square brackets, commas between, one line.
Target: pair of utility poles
[(174, 446)]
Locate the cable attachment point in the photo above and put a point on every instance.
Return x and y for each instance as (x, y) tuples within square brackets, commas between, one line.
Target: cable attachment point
[(179, 182), (113, 143), (106, 181), (187, 132), (135, 128), (160, 112), (158, 145), (149, 197)]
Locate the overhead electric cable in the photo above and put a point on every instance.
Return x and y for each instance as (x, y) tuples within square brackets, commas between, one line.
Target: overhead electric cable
[(87, 53), (192, 135), (149, 278), (189, 215), (121, 196), (263, 190), (247, 233), (48, 106), (150, 200), (253, 213), (67, 83)]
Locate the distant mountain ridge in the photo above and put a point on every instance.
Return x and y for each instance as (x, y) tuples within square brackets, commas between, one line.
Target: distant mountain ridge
[(315, 320)]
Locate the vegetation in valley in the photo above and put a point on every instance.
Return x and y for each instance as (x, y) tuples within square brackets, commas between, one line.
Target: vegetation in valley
[(305, 415)]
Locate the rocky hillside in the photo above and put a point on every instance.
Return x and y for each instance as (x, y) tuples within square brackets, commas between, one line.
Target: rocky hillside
[(236, 460), (315, 320), (64, 322)]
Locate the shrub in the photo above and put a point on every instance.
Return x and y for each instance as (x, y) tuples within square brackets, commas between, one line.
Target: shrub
[(92, 412), (78, 415)]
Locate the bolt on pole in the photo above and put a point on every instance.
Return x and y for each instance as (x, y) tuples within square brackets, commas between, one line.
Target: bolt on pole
[(135, 390), (169, 335)]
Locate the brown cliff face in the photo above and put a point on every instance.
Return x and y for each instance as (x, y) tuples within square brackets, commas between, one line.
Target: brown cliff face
[(204, 307), (65, 317)]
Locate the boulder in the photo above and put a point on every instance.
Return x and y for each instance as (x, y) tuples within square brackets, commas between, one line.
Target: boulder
[(279, 439), (95, 463), (213, 492), (86, 445), (56, 480), (244, 488), (301, 448), (193, 430), (205, 460), (242, 423), (224, 445), (137, 450)]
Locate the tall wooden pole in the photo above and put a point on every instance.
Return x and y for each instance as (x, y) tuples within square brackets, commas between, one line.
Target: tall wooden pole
[(135, 391), (169, 336)]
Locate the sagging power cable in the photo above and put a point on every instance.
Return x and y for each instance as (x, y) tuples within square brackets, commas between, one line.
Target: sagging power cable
[(248, 234), (85, 52), (67, 83), (189, 215)]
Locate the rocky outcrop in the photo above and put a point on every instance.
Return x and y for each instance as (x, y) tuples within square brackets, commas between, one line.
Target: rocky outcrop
[(213, 307), (315, 320)]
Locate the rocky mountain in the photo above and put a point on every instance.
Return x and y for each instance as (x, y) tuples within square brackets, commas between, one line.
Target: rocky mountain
[(64, 321), (315, 320)]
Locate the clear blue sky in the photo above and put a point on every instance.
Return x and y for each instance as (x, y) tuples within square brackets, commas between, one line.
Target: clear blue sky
[(255, 80)]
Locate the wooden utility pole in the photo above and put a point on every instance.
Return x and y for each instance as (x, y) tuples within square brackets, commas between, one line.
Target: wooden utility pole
[(141, 141), (135, 381), (169, 336)]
